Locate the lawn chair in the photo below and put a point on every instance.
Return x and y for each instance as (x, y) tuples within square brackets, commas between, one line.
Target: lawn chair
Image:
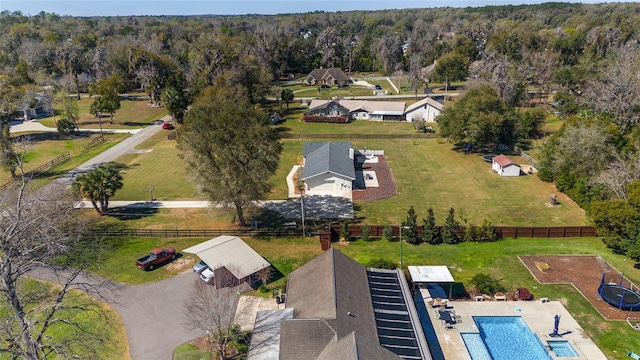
[(633, 355)]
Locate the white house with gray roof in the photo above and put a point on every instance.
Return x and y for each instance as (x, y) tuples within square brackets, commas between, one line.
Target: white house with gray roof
[(328, 168), (358, 109)]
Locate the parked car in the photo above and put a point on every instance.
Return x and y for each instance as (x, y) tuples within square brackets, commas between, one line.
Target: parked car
[(207, 275), (378, 87), (199, 267), (167, 126), (156, 257)]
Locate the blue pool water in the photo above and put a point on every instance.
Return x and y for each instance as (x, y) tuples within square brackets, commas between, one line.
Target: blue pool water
[(504, 338), (562, 348)]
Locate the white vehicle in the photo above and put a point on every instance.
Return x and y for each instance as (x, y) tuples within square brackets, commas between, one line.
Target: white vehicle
[(207, 276)]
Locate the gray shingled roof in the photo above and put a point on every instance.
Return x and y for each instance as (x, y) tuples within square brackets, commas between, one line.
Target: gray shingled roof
[(336, 73), (326, 157), (330, 280)]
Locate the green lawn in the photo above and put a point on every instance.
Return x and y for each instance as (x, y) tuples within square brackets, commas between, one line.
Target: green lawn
[(429, 174), (294, 125), (161, 168), (464, 261), (47, 146), (104, 322), (132, 114)]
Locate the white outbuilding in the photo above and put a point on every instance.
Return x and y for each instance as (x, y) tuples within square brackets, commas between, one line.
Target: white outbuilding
[(505, 166)]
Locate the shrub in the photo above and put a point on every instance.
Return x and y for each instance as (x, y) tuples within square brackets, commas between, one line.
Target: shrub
[(326, 119), (365, 233), (344, 231), (487, 284), (487, 232), (470, 233), (65, 126), (387, 232), (382, 264)]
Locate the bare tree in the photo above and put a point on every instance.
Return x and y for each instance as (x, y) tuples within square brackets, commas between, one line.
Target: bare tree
[(214, 312), (621, 170), (42, 319), (617, 90), (265, 275)]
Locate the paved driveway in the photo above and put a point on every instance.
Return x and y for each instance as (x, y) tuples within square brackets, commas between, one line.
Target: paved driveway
[(152, 313)]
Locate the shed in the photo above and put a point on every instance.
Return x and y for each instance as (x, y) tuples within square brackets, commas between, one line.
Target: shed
[(505, 166), (231, 259)]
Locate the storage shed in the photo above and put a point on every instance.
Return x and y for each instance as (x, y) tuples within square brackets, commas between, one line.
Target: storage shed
[(505, 166)]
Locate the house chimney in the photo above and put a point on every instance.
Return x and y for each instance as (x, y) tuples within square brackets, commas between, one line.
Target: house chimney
[(351, 153)]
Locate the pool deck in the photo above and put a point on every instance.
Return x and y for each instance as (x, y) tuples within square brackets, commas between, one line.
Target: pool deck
[(539, 317)]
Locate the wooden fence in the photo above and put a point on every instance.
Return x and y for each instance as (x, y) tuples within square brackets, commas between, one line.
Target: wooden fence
[(360, 136), (176, 233), (35, 172), (94, 142), (354, 231), (502, 231)]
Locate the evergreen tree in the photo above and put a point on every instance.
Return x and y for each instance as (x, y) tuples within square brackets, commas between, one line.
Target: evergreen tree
[(451, 225), (410, 228), (430, 233)]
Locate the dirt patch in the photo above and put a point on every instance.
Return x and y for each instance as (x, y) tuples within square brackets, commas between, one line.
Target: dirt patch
[(386, 188), (584, 272)]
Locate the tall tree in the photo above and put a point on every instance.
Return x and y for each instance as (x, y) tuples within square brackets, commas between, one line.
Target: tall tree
[(99, 185), (38, 229), (106, 93), (214, 311), (410, 227), (616, 90), (10, 99), (430, 233), (230, 146), (72, 60), (451, 226), (479, 118), (287, 96)]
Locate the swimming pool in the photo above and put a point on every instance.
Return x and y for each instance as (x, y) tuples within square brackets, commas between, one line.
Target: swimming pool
[(504, 338)]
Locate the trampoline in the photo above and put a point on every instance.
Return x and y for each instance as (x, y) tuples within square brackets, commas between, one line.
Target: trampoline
[(619, 296)]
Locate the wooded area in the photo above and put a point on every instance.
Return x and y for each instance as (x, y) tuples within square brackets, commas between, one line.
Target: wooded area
[(575, 61)]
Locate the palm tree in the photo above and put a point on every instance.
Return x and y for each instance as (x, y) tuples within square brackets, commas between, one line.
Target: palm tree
[(99, 185)]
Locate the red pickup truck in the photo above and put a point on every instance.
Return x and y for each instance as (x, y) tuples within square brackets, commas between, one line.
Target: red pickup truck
[(155, 257)]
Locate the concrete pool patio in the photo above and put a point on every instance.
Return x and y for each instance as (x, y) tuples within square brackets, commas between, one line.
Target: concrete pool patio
[(538, 315)]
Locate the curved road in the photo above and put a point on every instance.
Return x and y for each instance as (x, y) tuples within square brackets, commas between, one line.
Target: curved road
[(151, 313)]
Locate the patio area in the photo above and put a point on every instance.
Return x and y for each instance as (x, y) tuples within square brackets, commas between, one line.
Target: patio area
[(457, 317)]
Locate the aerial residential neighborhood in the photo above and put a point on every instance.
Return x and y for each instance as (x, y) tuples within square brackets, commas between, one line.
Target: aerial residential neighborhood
[(297, 182)]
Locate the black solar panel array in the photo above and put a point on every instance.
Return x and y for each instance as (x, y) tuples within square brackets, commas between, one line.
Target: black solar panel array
[(395, 331)]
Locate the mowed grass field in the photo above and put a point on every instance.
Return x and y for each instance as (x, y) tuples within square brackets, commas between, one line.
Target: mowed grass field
[(158, 165), (48, 146), (132, 114), (429, 174), (294, 125)]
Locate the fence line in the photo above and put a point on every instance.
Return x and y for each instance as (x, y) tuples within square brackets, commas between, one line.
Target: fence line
[(35, 172), (94, 142), (502, 231), (176, 233), (359, 136), (354, 230), (526, 156)]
